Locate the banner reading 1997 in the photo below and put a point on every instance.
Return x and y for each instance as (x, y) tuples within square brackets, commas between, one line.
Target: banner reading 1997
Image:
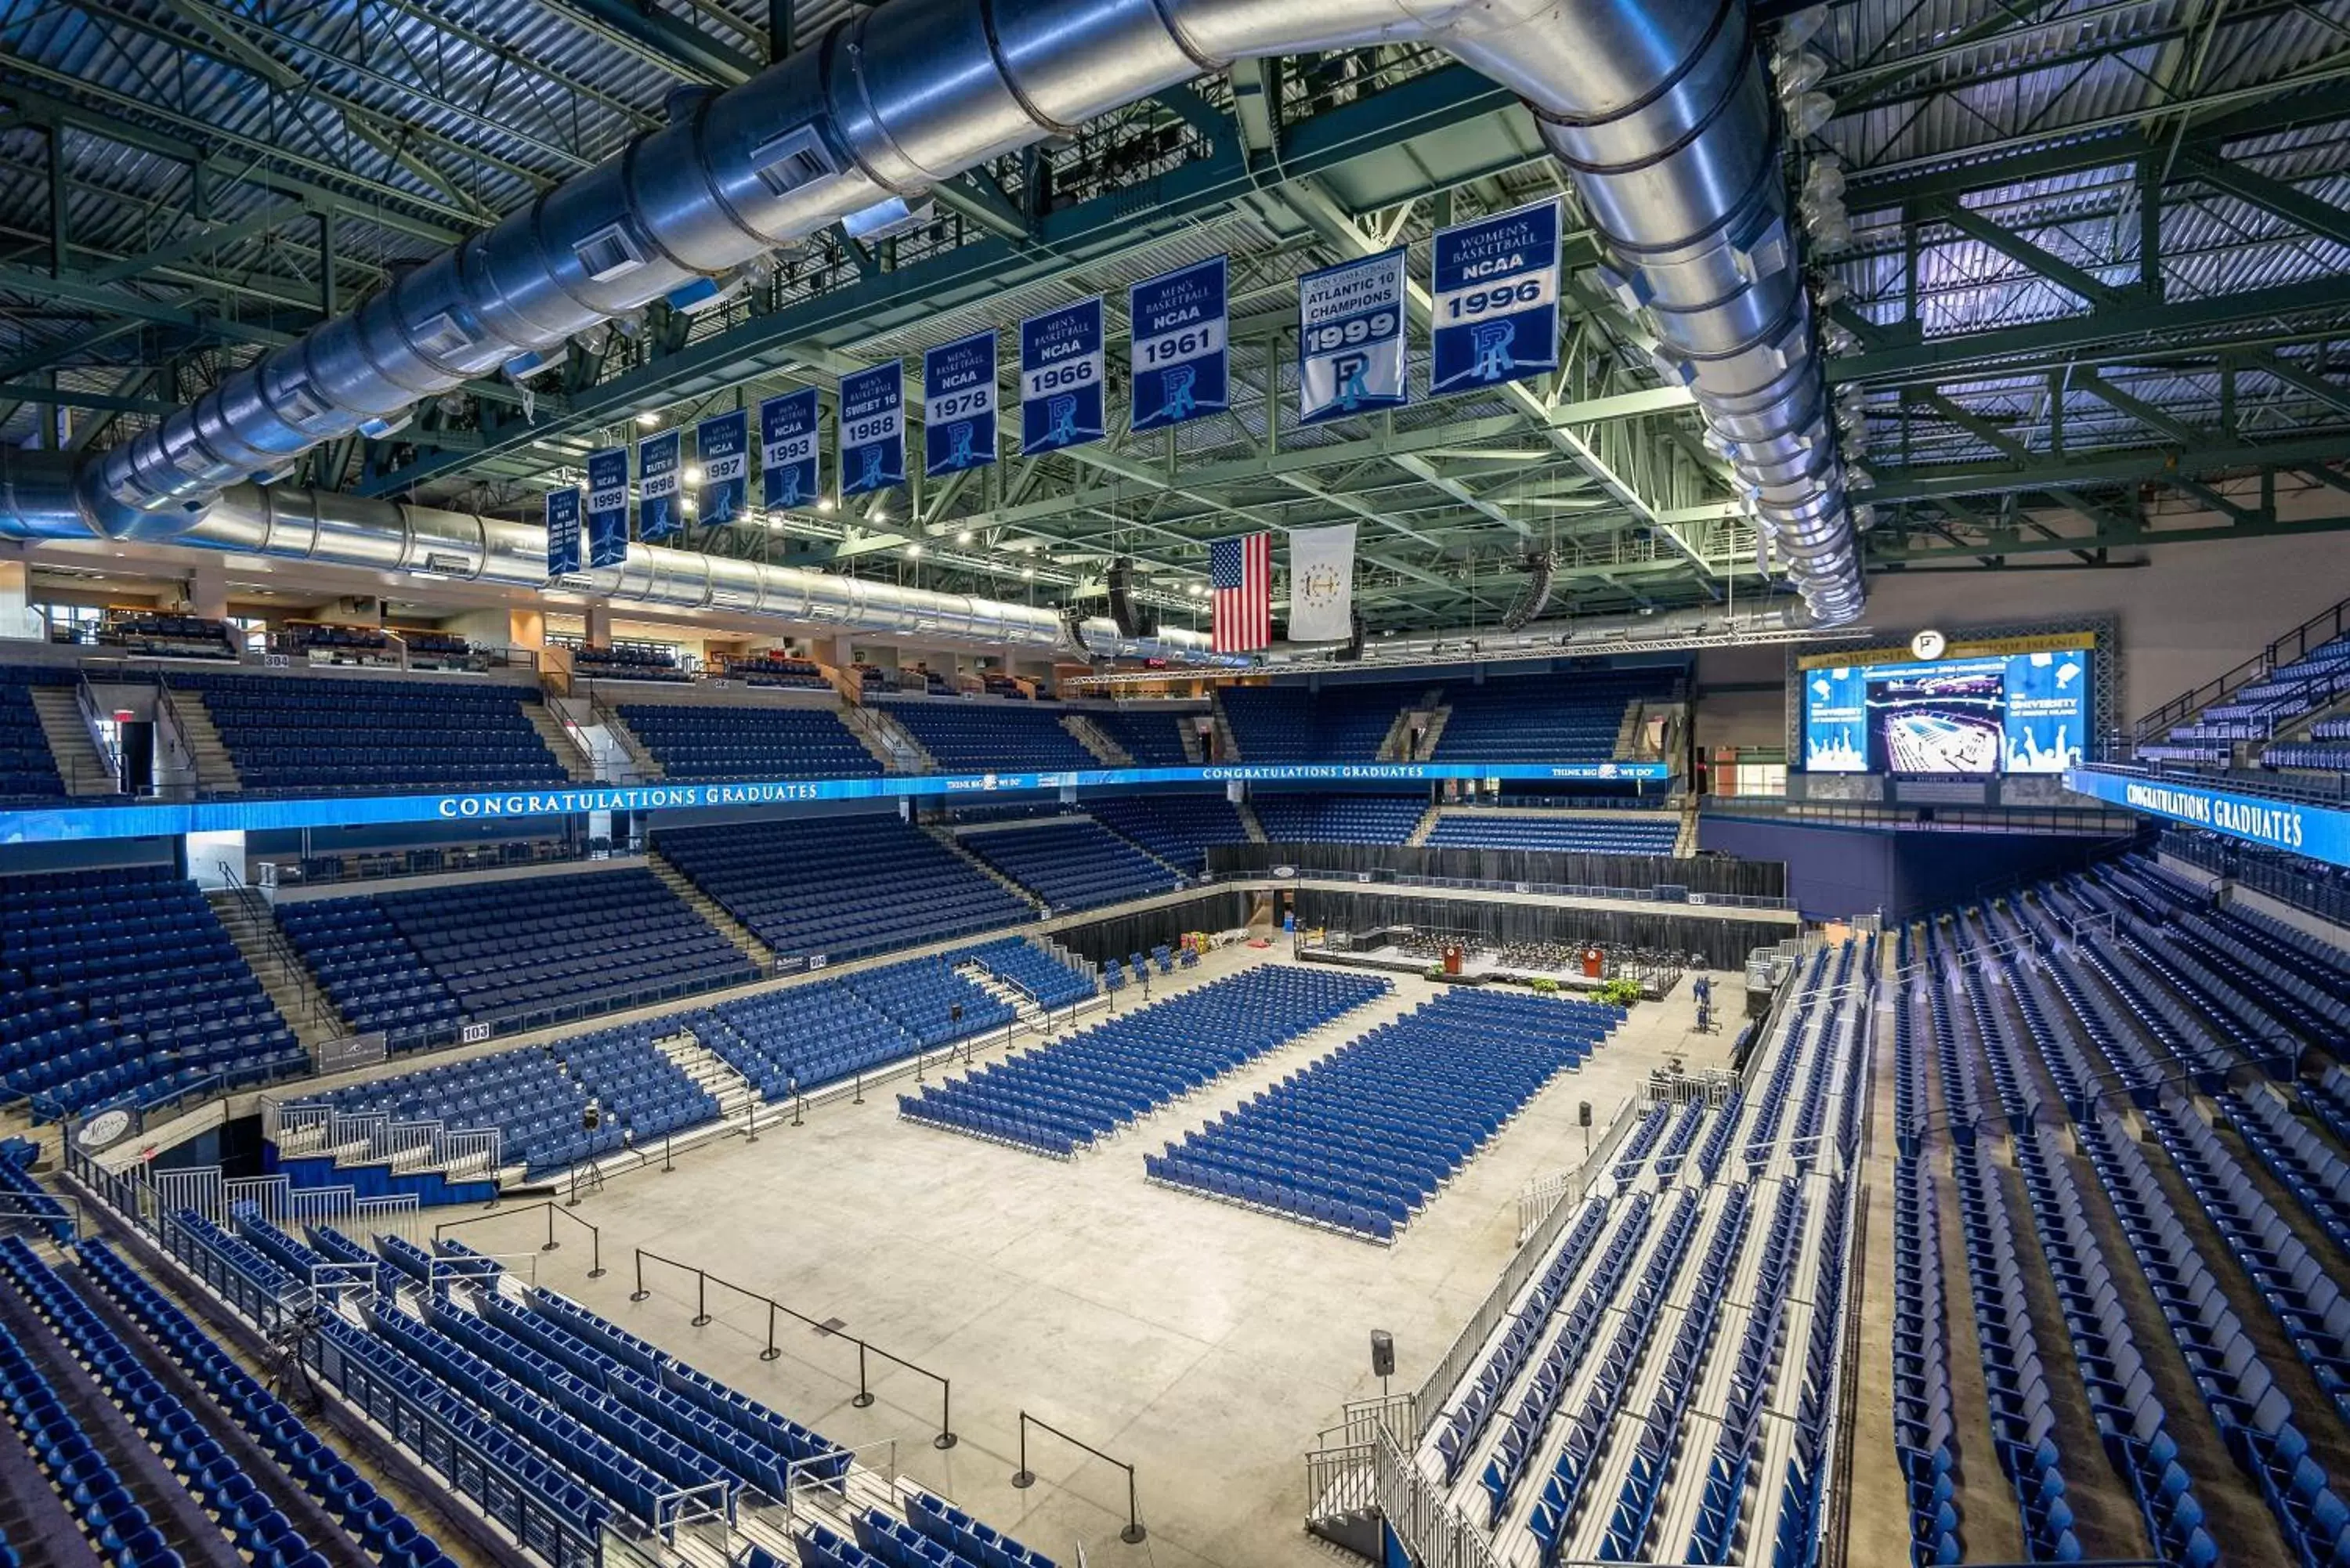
[(607, 507), (656, 478), (1179, 346), (1061, 377), (787, 449), (722, 444), (1495, 283), (959, 405), (873, 428), (1350, 357)]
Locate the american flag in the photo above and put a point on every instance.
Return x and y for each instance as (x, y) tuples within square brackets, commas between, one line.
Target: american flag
[(1240, 580)]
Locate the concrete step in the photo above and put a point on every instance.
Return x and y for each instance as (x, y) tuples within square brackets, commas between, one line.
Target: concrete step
[(576, 765), (1089, 735), (284, 977), (946, 836), (215, 768), (1248, 820), (641, 761), (709, 909), (71, 746)]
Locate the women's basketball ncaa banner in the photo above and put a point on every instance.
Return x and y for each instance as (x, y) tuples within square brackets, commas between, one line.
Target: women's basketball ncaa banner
[(1495, 287), (1350, 356), (723, 443), (1322, 584)]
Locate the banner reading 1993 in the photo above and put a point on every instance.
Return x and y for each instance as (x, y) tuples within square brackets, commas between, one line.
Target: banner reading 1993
[(1350, 356), (1495, 283), (1179, 346), (959, 405), (1061, 377), (607, 507), (873, 428), (657, 478), (787, 449), (722, 444)]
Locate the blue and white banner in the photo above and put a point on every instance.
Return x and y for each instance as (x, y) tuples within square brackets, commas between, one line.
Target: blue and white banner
[(1350, 358), (562, 531), (787, 449), (1061, 377), (873, 428), (2047, 719), (1179, 349), (657, 461), (2319, 832), (1836, 720), (607, 507), (959, 405), (1495, 288), (723, 446)]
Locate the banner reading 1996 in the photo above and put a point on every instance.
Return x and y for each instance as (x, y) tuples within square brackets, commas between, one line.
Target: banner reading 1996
[(873, 428), (1061, 377), (607, 507), (1179, 346), (787, 449), (1495, 283), (959, 405), (722, 444), (1350, 357), (656, 478)]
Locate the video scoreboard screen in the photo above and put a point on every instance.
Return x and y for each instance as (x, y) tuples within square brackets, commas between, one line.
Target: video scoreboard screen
[(1995, 713)]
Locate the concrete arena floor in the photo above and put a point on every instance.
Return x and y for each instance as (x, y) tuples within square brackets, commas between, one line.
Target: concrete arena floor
[(1201, 1342)]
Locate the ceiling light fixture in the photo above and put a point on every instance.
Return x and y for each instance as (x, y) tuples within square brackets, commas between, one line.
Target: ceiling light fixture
[(963, 537), (649, 418), (693, 476), (913, 550)]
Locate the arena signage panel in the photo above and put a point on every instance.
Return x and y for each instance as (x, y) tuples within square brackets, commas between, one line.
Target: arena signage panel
[(1494, 284), (1061, 377), (959, 405), (1180, 346), (2298, 827), (1350, 321)]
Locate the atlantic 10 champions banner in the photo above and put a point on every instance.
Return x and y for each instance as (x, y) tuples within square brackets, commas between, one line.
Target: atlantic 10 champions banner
[(1179, 346), (959, 405), (1061, 377), (1350, 358), (787, 449), (1495, 288), (873, 428)]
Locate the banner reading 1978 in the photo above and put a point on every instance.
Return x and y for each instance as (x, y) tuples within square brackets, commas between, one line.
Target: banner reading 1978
[(1495, 283), (787, 449), (873, 428), (959, 405), (1180, 360), (607, 507), (1061, 377), (1350, 357)]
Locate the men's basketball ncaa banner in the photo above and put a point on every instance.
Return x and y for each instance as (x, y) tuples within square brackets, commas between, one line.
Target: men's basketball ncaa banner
[(787, 449), (658, 460), (1495, 283), (1061, 377), (1179, 346), (607, 507), (723, 445), (563, 531), (1322, 584), (873, 428), (959, 405), (1350, 356)]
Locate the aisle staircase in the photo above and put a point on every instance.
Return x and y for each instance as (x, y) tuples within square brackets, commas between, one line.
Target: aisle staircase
[(1188, 734), (710, 909), (1227, 749), (642, 763), (1022, 1005), (1248, 820), (710, 1073), (889, 743), (1396, 747), (72, 746), (215, 769), (1089, 735), (1424, 826), (946, 836), (253, 926), (576, 765)]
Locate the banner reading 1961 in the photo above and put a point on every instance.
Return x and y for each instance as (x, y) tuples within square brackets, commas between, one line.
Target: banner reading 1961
[(873, 428), (1495, 283), (607, 507), (787, 449), (723, 446), (1179, 346), (1061, 377), (562, 531), (959, 405), (1350, 357), (658, 462)]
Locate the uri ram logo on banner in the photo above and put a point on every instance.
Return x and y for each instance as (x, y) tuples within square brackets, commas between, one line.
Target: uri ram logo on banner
[(562, 531), (959, 405), (787, 449), (1350, 358), (607, 507), (658, 460), (723, 446), (1495, 288), (1061, 377), (873, 428), (1178, 346)]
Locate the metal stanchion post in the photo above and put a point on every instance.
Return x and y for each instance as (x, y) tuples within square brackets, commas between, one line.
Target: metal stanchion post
[(573, 1201), (550, 1229), (1023, 1478), (860, 1086), (595, 1254), (754, 1137), (946, 1437), (701, 1298), (1133, 1533), (772, 1351), (864, 1394), (640, 1294), (667, 1166)]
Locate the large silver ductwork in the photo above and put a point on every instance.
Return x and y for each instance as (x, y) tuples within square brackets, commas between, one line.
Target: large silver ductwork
[(1658, 109)]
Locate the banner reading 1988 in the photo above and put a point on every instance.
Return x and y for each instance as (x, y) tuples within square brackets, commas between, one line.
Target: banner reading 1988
[(607, 507), (873, 428), (1495, 283), (958, 404), (1061, 377), (787, 449), (1181, 364), (1350, 357), (722, 444)]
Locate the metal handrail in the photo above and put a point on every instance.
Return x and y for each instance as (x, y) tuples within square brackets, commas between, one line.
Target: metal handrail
[(2293, 645), (281, 951)]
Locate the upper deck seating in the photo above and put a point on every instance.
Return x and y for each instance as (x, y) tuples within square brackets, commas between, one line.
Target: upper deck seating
[(1337, 818), (289, 734), (694, 742), (1572, 718), (1072, 863), (28, 773), (1177, 828), (983, 736)]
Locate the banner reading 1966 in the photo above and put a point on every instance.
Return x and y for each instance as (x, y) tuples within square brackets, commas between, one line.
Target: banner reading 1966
[(1495, 285), (1180, 360), (787, 449), (959, 405), (1061, 377), (1350, 358), (873, 428)]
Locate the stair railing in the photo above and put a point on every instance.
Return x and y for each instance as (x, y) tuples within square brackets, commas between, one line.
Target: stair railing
[(93, 722), (292, 974), (172, 727)]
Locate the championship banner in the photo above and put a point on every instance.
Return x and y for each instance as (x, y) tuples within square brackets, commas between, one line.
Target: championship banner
[(657, 461), (873, 428), (959, 405), (607, 507), (723, 445), (562, 531), (1350, 357), (1495, 283), (1322, 584), (787, 449), (1061, 377), (1178, 349)]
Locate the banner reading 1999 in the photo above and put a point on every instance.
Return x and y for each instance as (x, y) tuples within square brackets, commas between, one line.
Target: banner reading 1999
[(1350, 358), (1061, 377), (1495, 283), (873, 428), (1180, 360), (787, 449), (607, 507)]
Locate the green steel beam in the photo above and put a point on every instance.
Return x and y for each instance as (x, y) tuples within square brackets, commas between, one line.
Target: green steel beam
[(658, 38), (67, 398), (2033, 257), (2078, 470), (2319, 218), (2257, 527)]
